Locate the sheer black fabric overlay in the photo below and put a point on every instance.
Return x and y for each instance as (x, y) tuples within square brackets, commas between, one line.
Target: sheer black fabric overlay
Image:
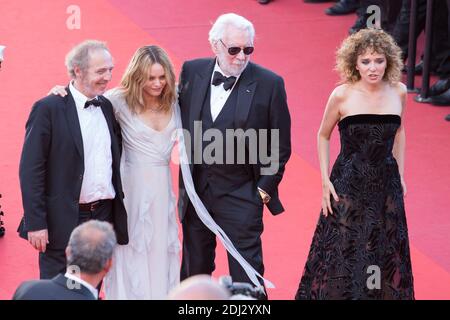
[(361, 251)]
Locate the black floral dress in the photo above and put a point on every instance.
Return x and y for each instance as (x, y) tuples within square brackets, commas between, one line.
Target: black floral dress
[(362, 250)]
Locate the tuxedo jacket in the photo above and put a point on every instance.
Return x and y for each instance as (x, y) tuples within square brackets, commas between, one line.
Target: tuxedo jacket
[(260, 104), (52, 167), (53, 289)]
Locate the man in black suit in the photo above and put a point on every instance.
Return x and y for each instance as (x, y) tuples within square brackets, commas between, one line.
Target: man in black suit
[(89, 258), (216, 96), (69, 169)]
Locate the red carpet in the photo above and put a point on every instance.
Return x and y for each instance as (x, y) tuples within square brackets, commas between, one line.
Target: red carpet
[(295, 40)]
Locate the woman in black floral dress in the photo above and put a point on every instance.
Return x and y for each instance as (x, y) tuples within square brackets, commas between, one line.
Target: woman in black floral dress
[(360, 249)]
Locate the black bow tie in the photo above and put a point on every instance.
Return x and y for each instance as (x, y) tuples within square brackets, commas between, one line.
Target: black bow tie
[(94, 102), (219, 78)]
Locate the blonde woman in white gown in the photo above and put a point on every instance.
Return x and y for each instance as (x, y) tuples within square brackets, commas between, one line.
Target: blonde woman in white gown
[(148, 267)]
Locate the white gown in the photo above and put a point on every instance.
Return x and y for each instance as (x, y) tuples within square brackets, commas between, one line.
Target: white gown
[(148, 267)]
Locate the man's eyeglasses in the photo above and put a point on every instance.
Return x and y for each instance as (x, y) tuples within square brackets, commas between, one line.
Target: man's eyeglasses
[(235, 50)]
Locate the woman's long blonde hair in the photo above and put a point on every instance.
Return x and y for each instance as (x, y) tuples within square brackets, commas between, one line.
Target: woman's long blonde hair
[(137, 74)]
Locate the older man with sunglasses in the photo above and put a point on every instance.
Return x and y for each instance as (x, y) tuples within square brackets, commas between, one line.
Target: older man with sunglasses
[(219, 94)]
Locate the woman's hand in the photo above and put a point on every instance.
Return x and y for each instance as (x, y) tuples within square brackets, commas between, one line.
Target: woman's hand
[(403, 186), (327, 190), (58, 90)]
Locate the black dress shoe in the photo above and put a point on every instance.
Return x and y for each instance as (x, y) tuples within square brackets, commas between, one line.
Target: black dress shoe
[(418, 69), (263, 1), (439, 87), (441, 100), (342, 7), (360, 23)]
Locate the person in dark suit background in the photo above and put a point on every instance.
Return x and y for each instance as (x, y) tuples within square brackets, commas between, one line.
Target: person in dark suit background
[(69, 168), (89, 258), (230, 92)]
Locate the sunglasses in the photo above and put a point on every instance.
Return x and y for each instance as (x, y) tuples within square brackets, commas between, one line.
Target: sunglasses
[(235, 50)]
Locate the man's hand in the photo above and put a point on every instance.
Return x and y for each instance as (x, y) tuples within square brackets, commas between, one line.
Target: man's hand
[(264, 196), (38, 239)]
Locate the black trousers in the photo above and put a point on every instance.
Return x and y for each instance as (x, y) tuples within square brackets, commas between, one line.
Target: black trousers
[(239, 214), (440, 26), (53, 261), (444, 67)]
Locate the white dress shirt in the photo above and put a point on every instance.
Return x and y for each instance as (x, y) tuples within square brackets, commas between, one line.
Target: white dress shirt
[(219, 95), (97, 178), (84, 283)]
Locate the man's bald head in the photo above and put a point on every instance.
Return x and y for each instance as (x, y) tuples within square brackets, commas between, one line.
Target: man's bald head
[(199, 287), (91, 246)]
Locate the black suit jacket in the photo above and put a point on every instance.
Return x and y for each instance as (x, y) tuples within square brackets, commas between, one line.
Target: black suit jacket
[(261, 104), (53, 289), (52, 167)]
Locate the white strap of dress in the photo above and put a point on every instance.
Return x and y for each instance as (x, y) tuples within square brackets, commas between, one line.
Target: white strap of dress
[(203, 213)]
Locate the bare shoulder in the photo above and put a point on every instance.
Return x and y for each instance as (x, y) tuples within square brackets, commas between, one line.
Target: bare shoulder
[(340, 94), (400, 88)]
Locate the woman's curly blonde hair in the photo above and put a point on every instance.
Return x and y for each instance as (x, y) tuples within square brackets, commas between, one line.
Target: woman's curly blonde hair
[(361, 41)]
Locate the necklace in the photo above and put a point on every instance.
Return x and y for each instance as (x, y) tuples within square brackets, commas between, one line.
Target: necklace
[(155, 110)]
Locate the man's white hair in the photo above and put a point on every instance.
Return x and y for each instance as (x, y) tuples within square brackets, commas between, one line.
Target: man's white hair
[(230, 19)]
